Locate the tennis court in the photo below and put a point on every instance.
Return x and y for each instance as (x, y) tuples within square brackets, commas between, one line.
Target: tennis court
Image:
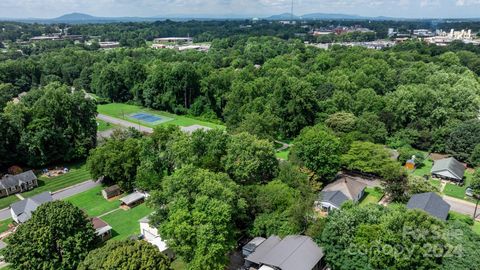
[(146, 117), (153, 119)]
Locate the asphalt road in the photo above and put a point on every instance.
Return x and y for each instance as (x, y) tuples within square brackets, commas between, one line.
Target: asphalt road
[(124, 123), (461, 206), (59, 195)]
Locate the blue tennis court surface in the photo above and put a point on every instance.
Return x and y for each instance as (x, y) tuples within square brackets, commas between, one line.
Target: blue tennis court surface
[(146, 117)]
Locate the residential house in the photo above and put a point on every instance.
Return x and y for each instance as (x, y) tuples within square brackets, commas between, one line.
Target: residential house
[(133, 199), (22, 211), (111, 191), (11, 184), (102, 230), (431, 203), (338, 192), (448, 169), (294, 252), (151, 235)]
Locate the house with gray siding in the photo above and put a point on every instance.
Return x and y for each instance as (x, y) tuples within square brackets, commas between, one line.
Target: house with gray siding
[(11, 184)]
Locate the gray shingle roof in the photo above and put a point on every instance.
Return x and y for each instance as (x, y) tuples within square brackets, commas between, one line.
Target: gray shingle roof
[(9, 181), (23, 209), (431, 203), (451, 165), (294, 252), (349, 187), (336, 198)]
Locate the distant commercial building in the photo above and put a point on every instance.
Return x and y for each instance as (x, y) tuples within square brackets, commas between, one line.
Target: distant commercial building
[(109, 44), (46, 37), (173, 40), (423, 33)]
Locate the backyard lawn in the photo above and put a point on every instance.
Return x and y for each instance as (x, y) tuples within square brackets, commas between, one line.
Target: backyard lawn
[(459, 191), (123, 111), (93, 203), (125, 223), (425, 169), (78, 173), (372, 195)]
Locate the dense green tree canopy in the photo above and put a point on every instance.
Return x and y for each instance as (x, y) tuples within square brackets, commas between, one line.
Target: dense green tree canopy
[(195, 211), (126, 255), (58, 236)]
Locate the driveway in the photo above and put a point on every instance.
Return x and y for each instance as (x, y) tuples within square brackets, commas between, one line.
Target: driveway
[(59, 195), (124, 123)]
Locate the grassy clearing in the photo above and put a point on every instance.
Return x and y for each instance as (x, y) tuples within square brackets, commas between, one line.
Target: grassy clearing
[(125, 223), (93, 203), (372, 195), (476, 227), (4, 224), (103, 126), (283, 154), (455, 191), (425, 169), (120, 110), (78, 173)]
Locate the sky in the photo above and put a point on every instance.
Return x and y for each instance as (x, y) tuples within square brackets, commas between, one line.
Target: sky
[(248, 8)]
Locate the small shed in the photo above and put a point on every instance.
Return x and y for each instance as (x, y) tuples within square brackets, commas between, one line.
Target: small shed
[(111, 191), (102, 229), (134, 199), (410, 164)]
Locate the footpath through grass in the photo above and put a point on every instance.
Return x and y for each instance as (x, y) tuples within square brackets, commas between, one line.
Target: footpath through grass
[(122, 111), (93, 203)]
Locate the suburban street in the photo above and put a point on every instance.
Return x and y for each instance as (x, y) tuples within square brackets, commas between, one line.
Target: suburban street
[(60, 195), (124, 123), (461, 206)]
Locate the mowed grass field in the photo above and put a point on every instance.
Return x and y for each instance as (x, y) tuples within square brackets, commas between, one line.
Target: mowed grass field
[(125, 222), (4, 224), (93, 203), (122, 111), (78, 173)]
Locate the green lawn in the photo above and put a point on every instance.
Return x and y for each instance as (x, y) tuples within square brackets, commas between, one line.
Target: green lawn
[(125, 223), (5, 202), (283, 154), (4, 224), (476, 227), (372, 195), (102, 125), (459, 191), (179, 264), (122, 111), (465, 219), (425, 169), (93, 203), (78, 173), (436, 183)]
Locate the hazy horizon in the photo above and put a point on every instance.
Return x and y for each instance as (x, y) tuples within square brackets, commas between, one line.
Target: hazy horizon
[(245, 8)]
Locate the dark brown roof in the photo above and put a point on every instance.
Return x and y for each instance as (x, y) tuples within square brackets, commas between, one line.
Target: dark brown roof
[(111, 189), (98, 223)]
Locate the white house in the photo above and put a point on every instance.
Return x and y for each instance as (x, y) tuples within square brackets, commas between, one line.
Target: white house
[(150, 234)]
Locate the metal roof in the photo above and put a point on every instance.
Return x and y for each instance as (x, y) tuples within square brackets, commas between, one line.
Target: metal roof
[(134, 197), (263, 249), (452, 165), (431, 203), (23, 209), (294, 252), (9, 181)]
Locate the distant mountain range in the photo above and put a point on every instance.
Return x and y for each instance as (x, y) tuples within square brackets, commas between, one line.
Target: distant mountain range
[(80, 18)]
